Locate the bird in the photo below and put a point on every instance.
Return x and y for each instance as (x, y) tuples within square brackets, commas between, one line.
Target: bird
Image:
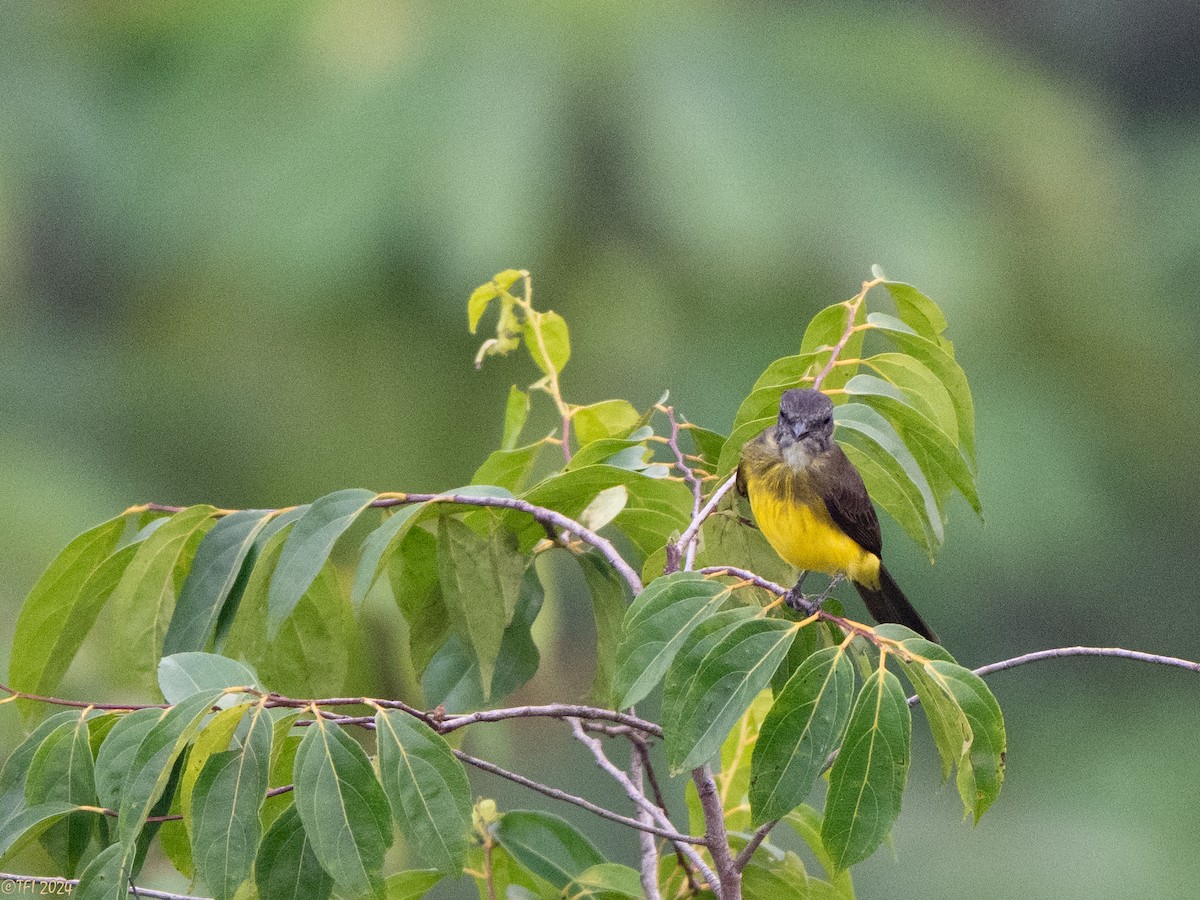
[(813, 508)]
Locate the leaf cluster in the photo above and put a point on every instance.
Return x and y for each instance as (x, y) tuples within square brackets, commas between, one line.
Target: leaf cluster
[(232, 612)]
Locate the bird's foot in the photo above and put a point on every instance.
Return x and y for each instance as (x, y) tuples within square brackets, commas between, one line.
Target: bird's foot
[(796, 599), (801, 602)]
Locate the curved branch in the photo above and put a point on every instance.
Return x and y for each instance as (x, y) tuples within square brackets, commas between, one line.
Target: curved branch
[(556, 794), (1060, 652), (686, 543), (552, 711), (639, 798), (539, 513)]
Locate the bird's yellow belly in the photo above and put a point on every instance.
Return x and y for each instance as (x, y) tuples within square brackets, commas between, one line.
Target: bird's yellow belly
[(807, 538)]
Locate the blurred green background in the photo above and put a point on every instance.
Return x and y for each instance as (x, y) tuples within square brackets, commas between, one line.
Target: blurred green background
[(236, 242)]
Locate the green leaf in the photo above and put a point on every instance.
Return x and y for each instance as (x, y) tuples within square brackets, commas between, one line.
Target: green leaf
[(981, 763), (225, 806), (478, 303), (30, 823), (411, 885), (379, 547), (656, 625), (608, 881), (547, 339), (610, 598), (184, 674), (804, 726), (933, 448), (686, 666), (213, 738), (427, 789), (308, 547), (917, 311), (62, 769), (707, 445), (607, 419), (286, 867), (310, 655), (107, 875), (769, 879), (866, 782), (211, 582), (606, 506), (413, 573), (920, 387), (806, 823), (730, 677), (452, 676), (62, 607), (471, 567), (115, 756), (656, 509), (283, 760), (941, 364), (154, 759), (516, 411), (342, 806), (509, 469), (825, 331), (142, 604), (548, 846), (509, 879)]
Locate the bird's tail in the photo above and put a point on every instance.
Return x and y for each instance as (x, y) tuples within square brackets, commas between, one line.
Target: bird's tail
[(887, 603)]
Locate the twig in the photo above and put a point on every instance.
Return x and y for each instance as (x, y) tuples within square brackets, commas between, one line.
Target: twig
[(631, 790), (1059, 652), (718, 839), (1136, 655), (740, 861), (745, 575), (853, 305), (649, 858), (641, 750), (553, 711), (556, 794), (686, 543)]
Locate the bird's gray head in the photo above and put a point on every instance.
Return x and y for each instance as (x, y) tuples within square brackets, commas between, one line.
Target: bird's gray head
[(805, 419)]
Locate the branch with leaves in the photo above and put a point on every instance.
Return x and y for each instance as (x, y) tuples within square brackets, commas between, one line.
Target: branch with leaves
[(235, 619)]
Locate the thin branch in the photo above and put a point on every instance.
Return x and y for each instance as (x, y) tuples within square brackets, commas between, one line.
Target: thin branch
[(69, 885), (649, 848), (553, 711), (745, 575), (718, 838), (853, 305), (643, 751), (1136, 655), (540, 514), (688, 538), (740, 861), (1060, 652), (556, 794), (14, 694), (634, 794)]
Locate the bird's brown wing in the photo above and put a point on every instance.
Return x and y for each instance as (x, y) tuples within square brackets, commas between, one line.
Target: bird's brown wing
[(846, 498)]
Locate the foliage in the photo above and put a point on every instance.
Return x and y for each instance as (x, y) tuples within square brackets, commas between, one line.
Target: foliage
[(299, 796)]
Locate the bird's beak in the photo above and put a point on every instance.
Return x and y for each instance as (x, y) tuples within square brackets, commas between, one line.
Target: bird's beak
[(799, 429)]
